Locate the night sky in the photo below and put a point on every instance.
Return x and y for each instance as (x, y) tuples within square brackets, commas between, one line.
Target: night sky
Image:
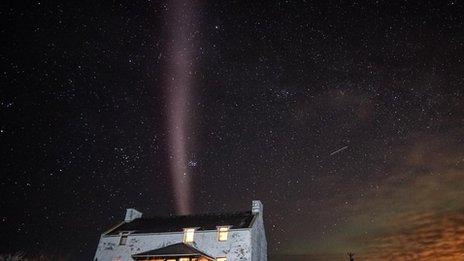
[(345, 119)]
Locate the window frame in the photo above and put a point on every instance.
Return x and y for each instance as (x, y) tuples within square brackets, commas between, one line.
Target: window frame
[(218, 229), (123, 235), (186, 231)]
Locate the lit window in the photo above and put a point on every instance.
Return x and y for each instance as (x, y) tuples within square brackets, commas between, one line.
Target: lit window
[(184, 259), (221, 259), (223, 232), (123, 239), (188, 235)]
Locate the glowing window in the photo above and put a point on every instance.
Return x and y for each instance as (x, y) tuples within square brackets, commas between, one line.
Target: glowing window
[(188, 235), (223, 233), (221, 259), (184, 259), (123, 239)]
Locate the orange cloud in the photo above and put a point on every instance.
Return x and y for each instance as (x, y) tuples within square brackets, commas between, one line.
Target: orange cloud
[(420, 237), (416, 212), (423, 216)]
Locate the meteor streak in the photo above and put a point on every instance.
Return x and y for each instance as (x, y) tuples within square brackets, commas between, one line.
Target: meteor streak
[(338, 151)]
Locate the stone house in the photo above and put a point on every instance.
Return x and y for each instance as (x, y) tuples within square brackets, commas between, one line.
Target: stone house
[(219, 237)]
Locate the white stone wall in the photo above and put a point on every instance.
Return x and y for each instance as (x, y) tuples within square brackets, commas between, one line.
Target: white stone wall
[(258, 240), (236, 248)]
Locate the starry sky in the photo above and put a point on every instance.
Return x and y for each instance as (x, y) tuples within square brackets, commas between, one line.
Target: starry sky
[(346, 118)]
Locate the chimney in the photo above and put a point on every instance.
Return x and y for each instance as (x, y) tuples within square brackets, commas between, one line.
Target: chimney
[(256, 206), (131, 214)]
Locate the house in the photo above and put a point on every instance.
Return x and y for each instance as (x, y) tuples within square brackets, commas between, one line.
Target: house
[(218, 237)]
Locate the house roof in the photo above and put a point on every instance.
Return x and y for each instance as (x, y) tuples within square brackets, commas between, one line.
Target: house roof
[(175, 250), (178, 223)]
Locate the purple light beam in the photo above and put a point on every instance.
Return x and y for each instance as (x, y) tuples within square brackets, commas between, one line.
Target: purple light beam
[(182, 29)]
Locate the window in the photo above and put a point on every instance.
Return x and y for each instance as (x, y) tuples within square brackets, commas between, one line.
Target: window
[(188, 235), (223, 233), (184, 259), (221, 259), (123, 239)]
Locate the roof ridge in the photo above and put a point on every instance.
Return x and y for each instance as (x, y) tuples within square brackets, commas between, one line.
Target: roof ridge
[(198, 215), (209, 221), (176, 251)]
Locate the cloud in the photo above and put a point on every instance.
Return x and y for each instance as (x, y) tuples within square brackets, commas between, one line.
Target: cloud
[(415, 213), (424, 236), (420, 213)]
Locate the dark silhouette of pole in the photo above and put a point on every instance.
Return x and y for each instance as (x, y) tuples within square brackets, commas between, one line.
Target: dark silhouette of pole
[(351, 255)]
